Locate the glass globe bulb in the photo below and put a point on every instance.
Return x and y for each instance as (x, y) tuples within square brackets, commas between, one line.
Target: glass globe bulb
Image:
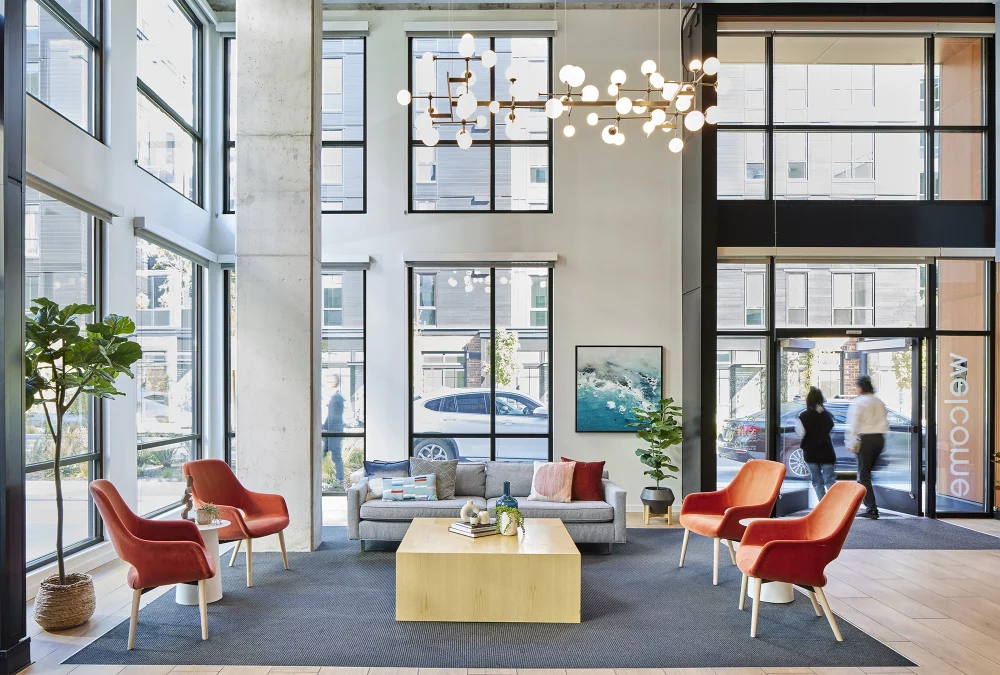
[(452, 281), (658, 117), (638, 109), (488, 58), (472, 78), (466, 49), (553, 108), (711, 66), (569, 130), (656, 81), (403, 97), (648, 67), (618, 77), (619, 138), (694, 66), (694, 120), (481, 121), (613, 89), (722, 86), (592, 119), (675, 144), (577, 76), (431, 137), (494, 107), (512, 72), (712, 114), (564, 73), (590, 93), (623, 105), (683, 102), (669, 90), (467, 105), (423, 121), (427, 57), (648, 127), (608, 134), (464, 139)]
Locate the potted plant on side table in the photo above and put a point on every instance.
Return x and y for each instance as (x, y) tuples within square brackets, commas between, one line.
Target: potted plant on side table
[(661, 429), (62, 362)]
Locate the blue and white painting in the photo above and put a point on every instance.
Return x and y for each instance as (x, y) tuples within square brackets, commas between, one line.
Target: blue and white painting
[(610, 381)]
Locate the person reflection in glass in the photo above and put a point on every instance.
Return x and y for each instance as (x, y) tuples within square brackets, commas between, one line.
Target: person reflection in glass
[(335, 424)]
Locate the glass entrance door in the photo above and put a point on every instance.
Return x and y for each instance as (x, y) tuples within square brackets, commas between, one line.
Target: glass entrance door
[(834, 364)]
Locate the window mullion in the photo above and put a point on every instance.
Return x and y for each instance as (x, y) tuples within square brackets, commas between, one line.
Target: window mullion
[(71, 24)]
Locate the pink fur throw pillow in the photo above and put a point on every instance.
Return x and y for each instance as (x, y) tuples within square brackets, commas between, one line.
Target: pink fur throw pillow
[(552, 482)]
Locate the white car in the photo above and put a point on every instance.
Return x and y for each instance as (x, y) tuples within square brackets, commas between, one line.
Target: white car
[(465, 412)]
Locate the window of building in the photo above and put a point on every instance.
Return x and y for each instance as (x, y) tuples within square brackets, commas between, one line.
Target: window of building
[(63, 59), (426, 299), (854, 298), (754, 298), (343, 178), (853, 156), (168, 302), (66, 268), (508, 167), (229, 361), (229, 126), (798, 156), (796, 298), (333, 84), (333, 300), (754, 156), (169, 100), (481, 380)]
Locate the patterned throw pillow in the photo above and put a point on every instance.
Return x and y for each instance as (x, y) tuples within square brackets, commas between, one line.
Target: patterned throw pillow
[(444, 471), (553, 482), (377, 469), (409, 489)]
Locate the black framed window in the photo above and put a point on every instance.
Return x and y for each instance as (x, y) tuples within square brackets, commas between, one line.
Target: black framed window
[(169, 101), (509, 166), (168, 377), (829, 116), (343, 376), (62, 263), (480, 371), (229, 125), (64, 59), (229, 362)]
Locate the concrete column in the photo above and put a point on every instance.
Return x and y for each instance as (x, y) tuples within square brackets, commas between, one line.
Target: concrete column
[(278, 138)]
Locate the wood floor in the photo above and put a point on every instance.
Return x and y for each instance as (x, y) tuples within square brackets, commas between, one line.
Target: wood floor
[(940, 609)]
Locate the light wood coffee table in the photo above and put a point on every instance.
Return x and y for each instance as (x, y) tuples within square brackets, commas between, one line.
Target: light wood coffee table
[(443, 576)]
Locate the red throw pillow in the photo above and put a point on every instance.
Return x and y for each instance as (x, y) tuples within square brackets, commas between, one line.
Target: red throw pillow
[(587, 486)]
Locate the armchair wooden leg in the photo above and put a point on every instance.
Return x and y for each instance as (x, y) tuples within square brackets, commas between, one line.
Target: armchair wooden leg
[(684, 546), (829, 614), (743, 592), (715, 561), (136, 595), (203, 605), (812, 599), (232, 560), (732, 550), (281, 543), (756, 607), (249, 562)]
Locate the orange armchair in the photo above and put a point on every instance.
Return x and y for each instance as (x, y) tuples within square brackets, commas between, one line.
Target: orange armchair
[(797, 550), (751, 494), (161, 552), (251, 515)]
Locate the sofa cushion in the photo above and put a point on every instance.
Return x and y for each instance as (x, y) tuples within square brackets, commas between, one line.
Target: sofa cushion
[(574, 512), (407, 511), (518, 473), (470, 479), (444, 470)]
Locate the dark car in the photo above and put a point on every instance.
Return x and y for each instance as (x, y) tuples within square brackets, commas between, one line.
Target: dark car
[(745, 438)]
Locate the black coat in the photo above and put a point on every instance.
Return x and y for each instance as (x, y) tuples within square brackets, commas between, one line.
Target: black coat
[(816, 444)]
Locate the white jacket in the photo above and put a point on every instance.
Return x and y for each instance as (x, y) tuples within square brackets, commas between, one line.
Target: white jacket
[(866, 415)]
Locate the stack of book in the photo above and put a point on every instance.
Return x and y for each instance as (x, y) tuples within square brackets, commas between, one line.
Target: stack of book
[(474, 531)]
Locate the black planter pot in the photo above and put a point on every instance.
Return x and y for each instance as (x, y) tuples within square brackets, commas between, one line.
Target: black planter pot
[(657, 499)]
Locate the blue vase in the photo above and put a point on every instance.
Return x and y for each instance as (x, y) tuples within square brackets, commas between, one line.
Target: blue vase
[(506, 499)]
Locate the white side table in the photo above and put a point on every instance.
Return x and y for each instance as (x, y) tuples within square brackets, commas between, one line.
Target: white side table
[(774, 592), (187, 594)]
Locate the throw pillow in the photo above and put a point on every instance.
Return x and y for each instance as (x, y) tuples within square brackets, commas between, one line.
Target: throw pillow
[(470, 479), (587, 485), (381, 469), (409, 489), (444, 471), (552, 482)]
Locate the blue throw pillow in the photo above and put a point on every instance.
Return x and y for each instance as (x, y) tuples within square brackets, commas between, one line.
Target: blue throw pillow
[(409, 489), (383, 469)]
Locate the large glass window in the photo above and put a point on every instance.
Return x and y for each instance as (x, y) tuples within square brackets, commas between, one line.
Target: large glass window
[(63, 51), (229, 127), (508, 167), (229, 358), (343, 177), (168, 292), (343, 368), (61, 264), (741, 404), (169, 101), (853, 117), (742, 294), (481, 376)]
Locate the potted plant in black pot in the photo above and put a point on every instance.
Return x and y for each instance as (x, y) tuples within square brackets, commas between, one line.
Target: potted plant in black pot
[(661, 429), (64, 361)]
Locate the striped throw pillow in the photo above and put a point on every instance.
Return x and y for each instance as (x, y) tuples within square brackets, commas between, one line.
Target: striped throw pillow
[(409, 489)]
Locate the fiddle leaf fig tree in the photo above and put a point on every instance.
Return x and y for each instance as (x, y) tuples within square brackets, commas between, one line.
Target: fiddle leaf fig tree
[(62, 362), (661, 429)]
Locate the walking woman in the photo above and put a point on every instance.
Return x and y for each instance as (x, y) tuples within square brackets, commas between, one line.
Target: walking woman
[(813, 426)]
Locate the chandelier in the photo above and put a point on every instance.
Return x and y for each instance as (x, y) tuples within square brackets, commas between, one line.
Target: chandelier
[(660, 104)]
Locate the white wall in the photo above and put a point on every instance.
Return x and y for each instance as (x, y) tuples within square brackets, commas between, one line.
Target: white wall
[(615, 226)]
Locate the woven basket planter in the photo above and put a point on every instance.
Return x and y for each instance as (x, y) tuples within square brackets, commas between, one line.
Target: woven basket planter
[(61, 606)]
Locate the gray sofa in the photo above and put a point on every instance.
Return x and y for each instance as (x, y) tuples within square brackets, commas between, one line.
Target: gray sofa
[(600, 522)]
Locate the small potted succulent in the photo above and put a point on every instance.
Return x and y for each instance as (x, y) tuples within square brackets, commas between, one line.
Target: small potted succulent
[(509, 520), (207, 514), (661, 429)]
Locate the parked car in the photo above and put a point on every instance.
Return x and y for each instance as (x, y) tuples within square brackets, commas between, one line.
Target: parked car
[(745, 438), (465, 412)]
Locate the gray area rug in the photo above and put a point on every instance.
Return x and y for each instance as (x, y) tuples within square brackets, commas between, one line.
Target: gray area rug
[(893, 531), (336, 607)]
